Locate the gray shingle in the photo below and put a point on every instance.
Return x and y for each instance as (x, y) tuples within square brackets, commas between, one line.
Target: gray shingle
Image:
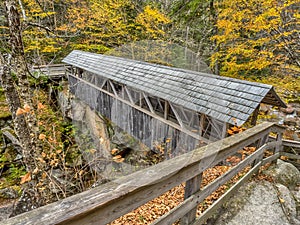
[(220, 97)]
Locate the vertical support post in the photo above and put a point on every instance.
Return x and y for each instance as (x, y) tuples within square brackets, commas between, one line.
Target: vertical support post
[(254, 116), (166, 112), (263, 140), (140, 100), (201, 125), (225, 129), (191, 187), (279, 146)]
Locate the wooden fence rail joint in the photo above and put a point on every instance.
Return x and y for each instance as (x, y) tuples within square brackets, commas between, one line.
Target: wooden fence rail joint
[(108, 202)]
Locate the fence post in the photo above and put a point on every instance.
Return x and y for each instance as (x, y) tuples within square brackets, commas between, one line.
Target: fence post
[(260, 143), (279, 147), (191, 187)]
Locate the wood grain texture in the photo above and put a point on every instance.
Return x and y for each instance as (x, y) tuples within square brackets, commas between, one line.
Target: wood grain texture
[(216, 96), (107, 202)]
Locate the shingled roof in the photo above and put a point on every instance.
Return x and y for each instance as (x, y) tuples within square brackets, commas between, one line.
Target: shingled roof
[(226, 99)]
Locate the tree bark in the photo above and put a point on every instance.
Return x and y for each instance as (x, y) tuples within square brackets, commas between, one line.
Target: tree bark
[(18, 96)]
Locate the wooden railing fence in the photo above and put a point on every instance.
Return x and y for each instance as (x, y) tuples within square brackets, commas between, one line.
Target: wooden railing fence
[(108, 202), (54, 71), (291, 150)]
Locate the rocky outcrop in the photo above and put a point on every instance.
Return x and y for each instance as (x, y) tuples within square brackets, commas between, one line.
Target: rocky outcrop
[(101, 142), (286, 174), (288, 117), (263, 202)]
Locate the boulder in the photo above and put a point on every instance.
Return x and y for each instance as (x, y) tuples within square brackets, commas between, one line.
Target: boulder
[(78, 111), (288, 202), (288, 110), (286, 174), (291, 121), (256, 203), (263, 202)]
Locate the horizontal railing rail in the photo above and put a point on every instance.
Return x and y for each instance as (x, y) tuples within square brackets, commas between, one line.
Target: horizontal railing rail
[(108, 202), (291, 152), (52, 70)]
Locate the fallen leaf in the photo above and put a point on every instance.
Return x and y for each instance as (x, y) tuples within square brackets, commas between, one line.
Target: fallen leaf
[(230, 132), (44, 154), (92, 151), (44, 175), (26, 178), (117, 157), (42, 136), (27, 108), (119, 160), (114, 151), (40, 106), (101, 140), (20, 111), (35, 171)]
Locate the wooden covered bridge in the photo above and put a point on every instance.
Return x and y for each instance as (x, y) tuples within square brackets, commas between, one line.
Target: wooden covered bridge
[(200, 106), (156, 103)]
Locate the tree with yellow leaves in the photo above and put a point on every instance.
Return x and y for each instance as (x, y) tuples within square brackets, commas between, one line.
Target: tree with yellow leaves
[(152, 22), (257, 37), (105, 24)]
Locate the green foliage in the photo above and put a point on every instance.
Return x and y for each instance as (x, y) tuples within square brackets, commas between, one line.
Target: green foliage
[(16, 172), (10, 171)]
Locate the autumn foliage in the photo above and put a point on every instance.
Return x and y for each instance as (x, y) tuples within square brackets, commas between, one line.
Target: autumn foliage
[(257, 38)]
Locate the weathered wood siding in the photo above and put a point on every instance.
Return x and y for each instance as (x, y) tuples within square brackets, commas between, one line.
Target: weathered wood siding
[(140, 125)]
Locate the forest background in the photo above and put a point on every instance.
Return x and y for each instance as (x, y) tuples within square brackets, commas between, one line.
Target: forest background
[(257, 40)]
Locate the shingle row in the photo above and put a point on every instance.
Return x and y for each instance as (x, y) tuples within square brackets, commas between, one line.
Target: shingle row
[(223, 98)]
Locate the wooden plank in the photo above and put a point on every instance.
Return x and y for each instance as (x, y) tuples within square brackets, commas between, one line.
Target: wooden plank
[(200, 195), (270, 158), (254, 116), (148, 103), (218, 203), (290, 143), (279, 138), (168, 122), (112, 87), (129, 95), (201, 123), (290, 155), (177, 115), (107, 202), (192, 186)]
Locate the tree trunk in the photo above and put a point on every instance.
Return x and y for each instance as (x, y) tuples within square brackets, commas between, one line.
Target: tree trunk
[(19, 95), (20, 124)]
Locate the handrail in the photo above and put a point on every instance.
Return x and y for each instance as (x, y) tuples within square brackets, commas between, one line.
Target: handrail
[(108, 202), (51, 70), (288, 143)]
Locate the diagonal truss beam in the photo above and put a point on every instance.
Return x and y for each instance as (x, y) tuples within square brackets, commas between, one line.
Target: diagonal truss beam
[(179, 127)]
